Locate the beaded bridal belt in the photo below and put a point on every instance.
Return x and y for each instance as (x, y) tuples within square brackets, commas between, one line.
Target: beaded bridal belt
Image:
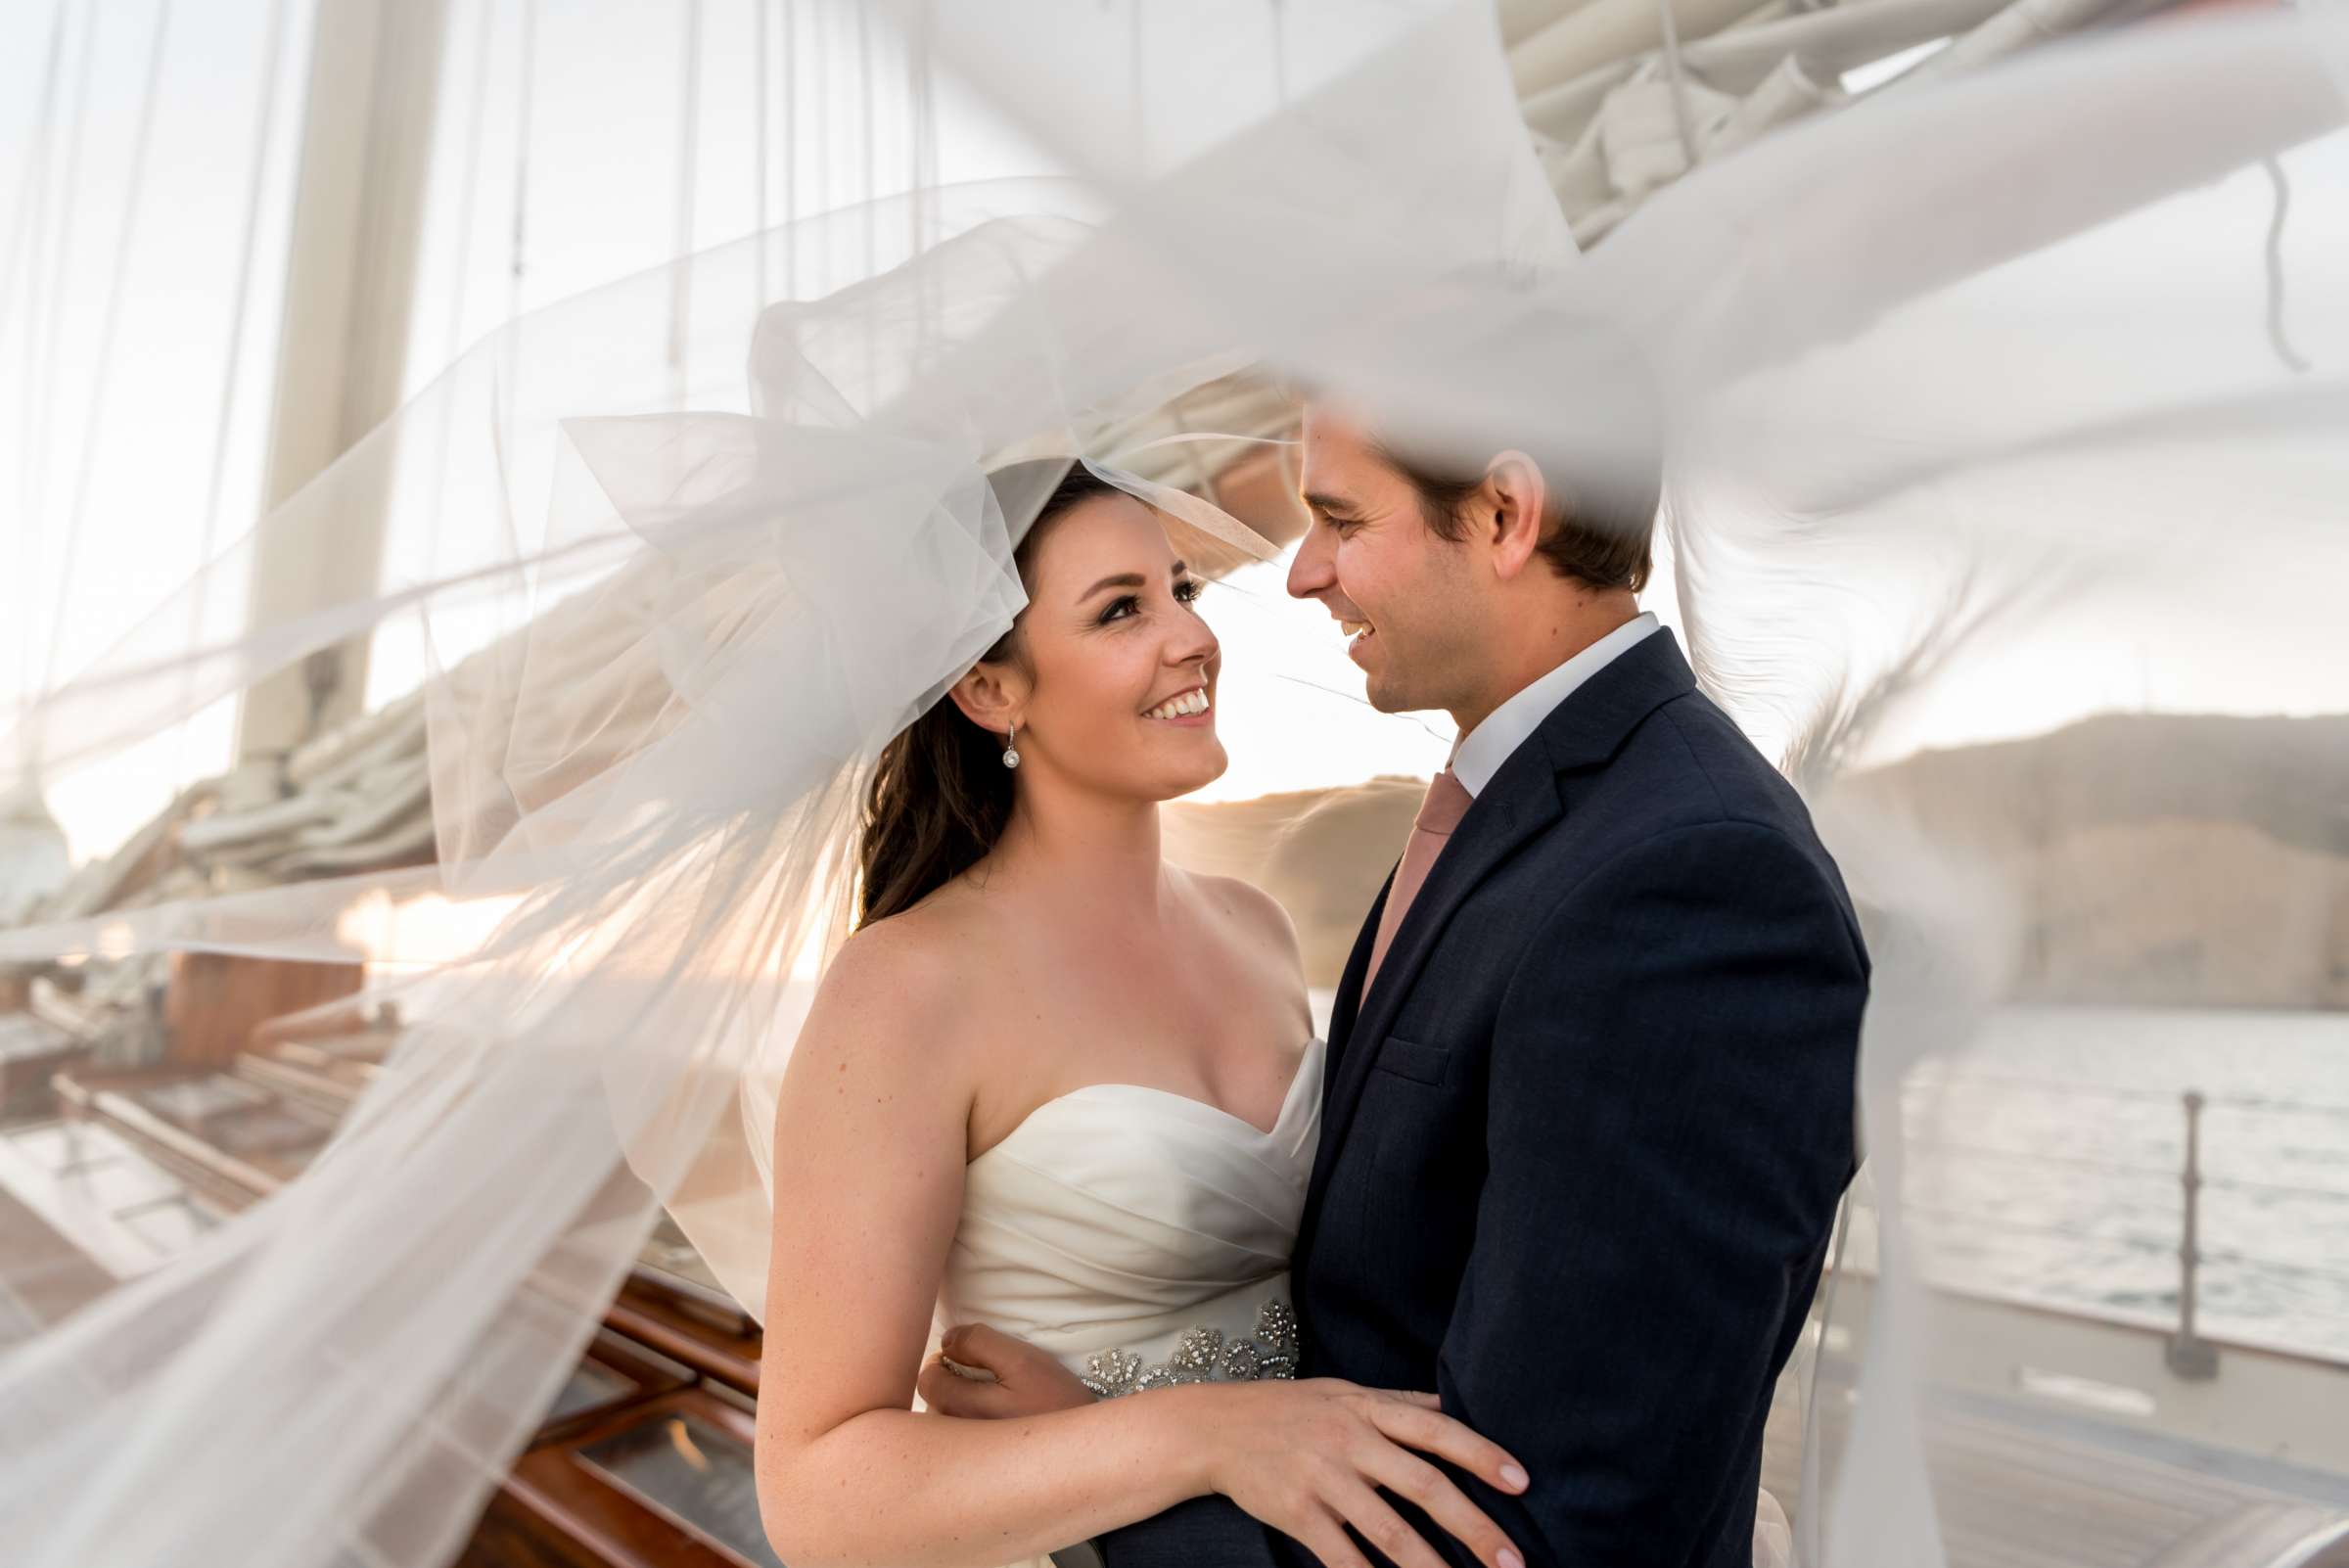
[(1203, 1356)]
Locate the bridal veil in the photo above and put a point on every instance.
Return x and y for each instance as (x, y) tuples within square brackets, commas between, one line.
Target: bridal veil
[(1987, 407)]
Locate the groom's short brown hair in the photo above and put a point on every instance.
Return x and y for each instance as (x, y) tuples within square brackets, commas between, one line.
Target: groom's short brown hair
[(1601, 533), (1604, 475)]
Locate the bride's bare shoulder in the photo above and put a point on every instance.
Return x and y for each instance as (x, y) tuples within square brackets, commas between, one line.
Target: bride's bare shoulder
[(882, 1058), (905, 978)]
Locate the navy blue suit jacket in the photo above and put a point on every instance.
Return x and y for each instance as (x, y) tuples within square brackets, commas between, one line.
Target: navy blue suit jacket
[(1582, 1145)]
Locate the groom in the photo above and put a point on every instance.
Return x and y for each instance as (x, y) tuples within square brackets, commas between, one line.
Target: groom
[(1589, 1088)]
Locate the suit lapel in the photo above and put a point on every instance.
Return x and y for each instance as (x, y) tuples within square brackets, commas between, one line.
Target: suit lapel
[(1522, 800), (1347, 1004)]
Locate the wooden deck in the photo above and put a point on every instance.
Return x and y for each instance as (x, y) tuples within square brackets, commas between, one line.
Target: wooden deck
[(44, 1276), (2018, 1490)]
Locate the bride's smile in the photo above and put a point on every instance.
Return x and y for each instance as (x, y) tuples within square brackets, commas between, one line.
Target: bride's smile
[(1190, 709)]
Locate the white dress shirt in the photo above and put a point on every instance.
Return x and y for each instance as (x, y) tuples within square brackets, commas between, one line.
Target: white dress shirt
[(1481, 751)]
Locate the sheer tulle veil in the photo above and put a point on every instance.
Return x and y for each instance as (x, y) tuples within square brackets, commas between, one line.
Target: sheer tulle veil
[(1966, 400)]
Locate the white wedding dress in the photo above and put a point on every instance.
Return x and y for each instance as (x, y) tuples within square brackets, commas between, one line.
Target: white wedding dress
[(1143, 1237)]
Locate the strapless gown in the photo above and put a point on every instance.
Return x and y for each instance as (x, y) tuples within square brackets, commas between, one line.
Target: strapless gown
[(1143, 1237), (1140, 1235)]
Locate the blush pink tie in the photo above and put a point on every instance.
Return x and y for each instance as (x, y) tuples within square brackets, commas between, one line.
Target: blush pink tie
[(1440, 812)]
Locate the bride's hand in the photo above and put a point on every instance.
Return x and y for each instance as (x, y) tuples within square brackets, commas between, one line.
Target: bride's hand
[(1026, 1381), (1307, 1457)]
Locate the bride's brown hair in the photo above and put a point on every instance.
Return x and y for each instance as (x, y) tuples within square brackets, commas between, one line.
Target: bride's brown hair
[(941, 796)]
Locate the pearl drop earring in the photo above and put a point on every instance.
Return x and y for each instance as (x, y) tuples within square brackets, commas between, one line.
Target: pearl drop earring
[(1011, 750)]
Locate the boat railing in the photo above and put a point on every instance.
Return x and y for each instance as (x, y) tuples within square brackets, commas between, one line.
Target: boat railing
[(2190, 1356)]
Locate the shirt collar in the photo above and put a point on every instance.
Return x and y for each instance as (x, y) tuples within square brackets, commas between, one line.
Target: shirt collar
[(1481, 751)]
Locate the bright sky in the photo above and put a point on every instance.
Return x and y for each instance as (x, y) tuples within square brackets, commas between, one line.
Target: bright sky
[(119, 466), (108, 458)]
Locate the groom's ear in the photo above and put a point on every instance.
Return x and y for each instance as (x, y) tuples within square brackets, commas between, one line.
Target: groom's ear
[(1514, 506), (993, 696)]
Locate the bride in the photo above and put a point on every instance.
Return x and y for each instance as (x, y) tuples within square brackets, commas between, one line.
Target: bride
[(1092, 1077), (1089, 1077)]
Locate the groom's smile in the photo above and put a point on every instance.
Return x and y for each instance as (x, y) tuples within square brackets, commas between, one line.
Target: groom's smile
[(1370, 560)]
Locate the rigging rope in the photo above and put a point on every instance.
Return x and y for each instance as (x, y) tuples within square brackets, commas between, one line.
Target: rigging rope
[(126, 242)]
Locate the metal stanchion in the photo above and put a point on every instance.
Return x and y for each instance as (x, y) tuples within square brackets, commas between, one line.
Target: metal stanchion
[(2189, 1355)]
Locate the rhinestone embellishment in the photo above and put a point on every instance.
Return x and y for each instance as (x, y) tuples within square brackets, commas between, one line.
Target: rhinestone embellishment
[(1203, 1356)]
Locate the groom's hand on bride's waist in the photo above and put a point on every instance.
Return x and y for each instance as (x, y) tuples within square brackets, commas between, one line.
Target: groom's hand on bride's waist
[(982, 1373)]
